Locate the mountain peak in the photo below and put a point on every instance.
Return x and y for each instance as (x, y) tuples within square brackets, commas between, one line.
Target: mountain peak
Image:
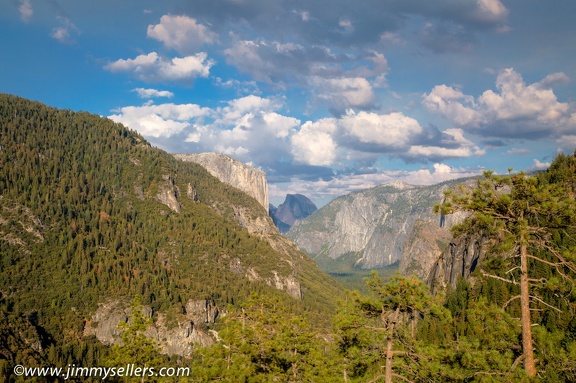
[(294, 209)]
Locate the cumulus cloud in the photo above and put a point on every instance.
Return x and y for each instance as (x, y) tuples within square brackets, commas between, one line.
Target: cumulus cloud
[(182, 33), (514, 109), (249, 128), (154, 68), (364, 136), (153, 93), (387, 131), (156, 121), (314, 143), (453, 105)]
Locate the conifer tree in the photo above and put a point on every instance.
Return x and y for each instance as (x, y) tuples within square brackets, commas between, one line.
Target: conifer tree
[(395, 307), (521, 215)]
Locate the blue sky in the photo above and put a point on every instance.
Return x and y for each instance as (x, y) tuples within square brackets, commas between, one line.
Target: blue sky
[(326, 96)]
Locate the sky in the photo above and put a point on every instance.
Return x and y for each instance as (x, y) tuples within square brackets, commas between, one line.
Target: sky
[(326, 96)]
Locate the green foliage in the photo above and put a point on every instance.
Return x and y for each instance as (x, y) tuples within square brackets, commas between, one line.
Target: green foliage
[(262, 341)]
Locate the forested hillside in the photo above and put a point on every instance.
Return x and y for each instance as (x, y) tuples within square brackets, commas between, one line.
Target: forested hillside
[(84, 218)]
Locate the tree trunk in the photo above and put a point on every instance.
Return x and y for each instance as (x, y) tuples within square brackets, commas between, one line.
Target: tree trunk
[(389, 344), (527, 347)]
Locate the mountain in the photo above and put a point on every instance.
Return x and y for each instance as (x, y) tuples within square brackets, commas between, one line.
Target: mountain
[(369, 229), (92, 216), (250, 180), (292, 211)]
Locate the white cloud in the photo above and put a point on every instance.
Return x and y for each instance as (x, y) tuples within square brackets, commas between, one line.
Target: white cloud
[(537, 165), (154, 68), (250, 125), (516, 101), (249, 128), (513, 109), (181, 33), (365, 136), (153, 93), (26, 10), (453, 105), (393, 130), (314, 143), (162, 120)]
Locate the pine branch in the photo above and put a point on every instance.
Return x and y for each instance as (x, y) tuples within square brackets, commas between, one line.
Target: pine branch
[(545, 304), (497, 277), (510, 300)]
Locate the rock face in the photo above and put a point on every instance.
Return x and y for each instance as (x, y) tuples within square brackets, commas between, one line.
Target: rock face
[(168, 193), (458, 260), (250, 180), (292, 211), (373, 224), (423, 248), (177, 336)]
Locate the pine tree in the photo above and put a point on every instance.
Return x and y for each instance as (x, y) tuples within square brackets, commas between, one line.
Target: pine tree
[(395, 308), (521, 215)]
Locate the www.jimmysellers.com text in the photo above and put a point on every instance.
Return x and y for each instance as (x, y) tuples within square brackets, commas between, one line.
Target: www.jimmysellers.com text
[(72, 371)]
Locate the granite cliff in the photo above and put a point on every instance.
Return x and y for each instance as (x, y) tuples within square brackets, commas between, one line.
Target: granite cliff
[(374, 225), (250, 180)]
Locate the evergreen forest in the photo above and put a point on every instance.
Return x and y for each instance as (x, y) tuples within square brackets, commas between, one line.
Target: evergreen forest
[(81, 224)]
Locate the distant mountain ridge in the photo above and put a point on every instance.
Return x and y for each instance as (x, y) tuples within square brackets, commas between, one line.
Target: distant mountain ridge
[(371, 226), (292, 211)]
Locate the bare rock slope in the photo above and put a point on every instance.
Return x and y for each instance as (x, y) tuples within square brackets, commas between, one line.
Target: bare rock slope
[(250, 180)]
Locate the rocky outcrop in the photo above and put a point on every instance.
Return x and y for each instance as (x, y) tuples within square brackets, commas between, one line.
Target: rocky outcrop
[(18, 226), (168, 193), (177, 335), (458, 260), (292, 211), (423, 248), (290, 283), (250, 180), (375, 224)]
